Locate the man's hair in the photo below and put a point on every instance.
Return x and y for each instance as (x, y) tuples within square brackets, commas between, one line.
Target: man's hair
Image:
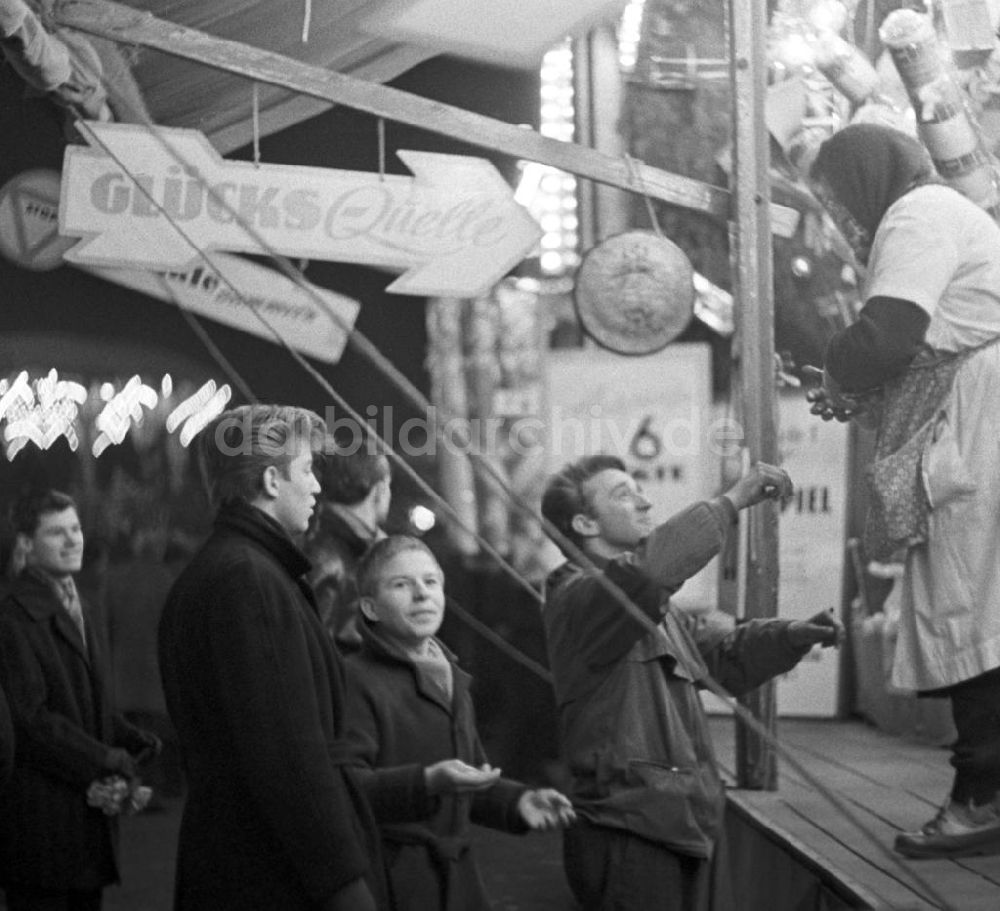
[(348, 476), (236, 447), (373, 563), (564, 497), (27, 511)]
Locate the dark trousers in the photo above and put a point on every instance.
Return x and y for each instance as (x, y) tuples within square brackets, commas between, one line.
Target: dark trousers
[(614, 870), (28, 898), (975, 755)]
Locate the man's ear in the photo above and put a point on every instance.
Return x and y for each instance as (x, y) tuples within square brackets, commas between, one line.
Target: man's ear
[(23, 544), (367, 606), (270, 481), (585, 526), (374, 492)]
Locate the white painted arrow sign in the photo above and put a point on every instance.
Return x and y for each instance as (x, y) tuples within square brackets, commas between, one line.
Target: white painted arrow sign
[(252, 298), (453, 228)]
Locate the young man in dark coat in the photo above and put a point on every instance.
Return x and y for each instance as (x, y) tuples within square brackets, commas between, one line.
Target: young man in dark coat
[(409, 707), (357, 492), (57, 853), (633, 730), (274, 819)]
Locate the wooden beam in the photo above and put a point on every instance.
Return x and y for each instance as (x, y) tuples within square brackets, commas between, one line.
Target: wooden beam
[(756, 765), (124, 24)]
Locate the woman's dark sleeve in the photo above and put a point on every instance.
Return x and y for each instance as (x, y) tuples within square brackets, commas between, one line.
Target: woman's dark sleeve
[(879, 346)]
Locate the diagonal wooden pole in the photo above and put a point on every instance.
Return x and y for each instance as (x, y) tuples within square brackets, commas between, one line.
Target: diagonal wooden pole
[(124, 24)]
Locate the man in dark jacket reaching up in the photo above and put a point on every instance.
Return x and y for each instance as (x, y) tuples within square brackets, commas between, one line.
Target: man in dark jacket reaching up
[(644, 784), (255, 689)]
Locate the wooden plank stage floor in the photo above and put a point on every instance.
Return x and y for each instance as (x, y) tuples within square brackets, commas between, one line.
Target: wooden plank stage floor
[(889, 785)]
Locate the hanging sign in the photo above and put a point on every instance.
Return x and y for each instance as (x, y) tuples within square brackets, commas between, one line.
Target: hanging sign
[(154, 197), (250, 297), (228, 289), (634, 292), (29, 221)]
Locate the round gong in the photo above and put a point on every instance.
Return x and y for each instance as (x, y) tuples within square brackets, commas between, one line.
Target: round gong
[(634, 292)]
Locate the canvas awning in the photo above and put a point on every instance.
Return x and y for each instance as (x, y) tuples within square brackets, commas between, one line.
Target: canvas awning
[(373, 40)]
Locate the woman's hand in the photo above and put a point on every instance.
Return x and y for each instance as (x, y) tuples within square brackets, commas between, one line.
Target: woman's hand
[(828, 400)]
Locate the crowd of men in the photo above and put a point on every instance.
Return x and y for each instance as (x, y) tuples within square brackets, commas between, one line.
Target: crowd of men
[(330, 749)]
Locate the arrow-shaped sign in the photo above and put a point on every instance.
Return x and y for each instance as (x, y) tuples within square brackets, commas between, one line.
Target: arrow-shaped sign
[(224, 288), (453, 228), (250, 297)]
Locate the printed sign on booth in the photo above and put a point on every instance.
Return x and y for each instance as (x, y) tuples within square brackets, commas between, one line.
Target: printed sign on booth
[(228, 289), (655, 413), (29, 221), (811, 543), (253, 298)]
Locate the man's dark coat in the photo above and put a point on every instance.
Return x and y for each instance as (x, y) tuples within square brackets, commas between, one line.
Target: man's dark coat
[(255, 690), (64, 727), (398, 719)]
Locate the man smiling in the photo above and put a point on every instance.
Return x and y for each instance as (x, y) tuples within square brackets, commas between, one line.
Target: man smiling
[(644, 785), (57, 852)]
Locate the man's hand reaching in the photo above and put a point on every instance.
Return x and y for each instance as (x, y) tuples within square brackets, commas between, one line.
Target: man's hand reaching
[(821, 629), (761, 482), (546, 809), (452, 776)]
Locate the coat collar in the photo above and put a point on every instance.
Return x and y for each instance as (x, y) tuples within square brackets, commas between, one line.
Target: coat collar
[(383, 649), (264, 531), (34, 593)]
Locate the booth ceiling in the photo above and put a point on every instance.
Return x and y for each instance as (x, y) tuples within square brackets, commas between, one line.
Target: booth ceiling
[(374, 40)]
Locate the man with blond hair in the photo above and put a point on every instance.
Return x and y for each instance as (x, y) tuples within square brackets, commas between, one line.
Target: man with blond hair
[(274, 817)]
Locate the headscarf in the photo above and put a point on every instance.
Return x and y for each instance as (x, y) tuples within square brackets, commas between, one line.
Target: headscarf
[(861, 170)]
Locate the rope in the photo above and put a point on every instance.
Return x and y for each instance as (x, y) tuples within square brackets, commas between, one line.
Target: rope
[(306, 21), (636, 175), (381, 149), (384, 446), (214, 351), (256, 124), (388, 369), (491, 635)]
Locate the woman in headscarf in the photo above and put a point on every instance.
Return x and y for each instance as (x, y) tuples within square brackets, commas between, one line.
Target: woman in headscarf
[(922, 362)]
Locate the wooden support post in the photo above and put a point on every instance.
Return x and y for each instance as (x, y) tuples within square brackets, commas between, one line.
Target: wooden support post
[(598, 92), (755, 761), (124, 24), (446, 365)]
